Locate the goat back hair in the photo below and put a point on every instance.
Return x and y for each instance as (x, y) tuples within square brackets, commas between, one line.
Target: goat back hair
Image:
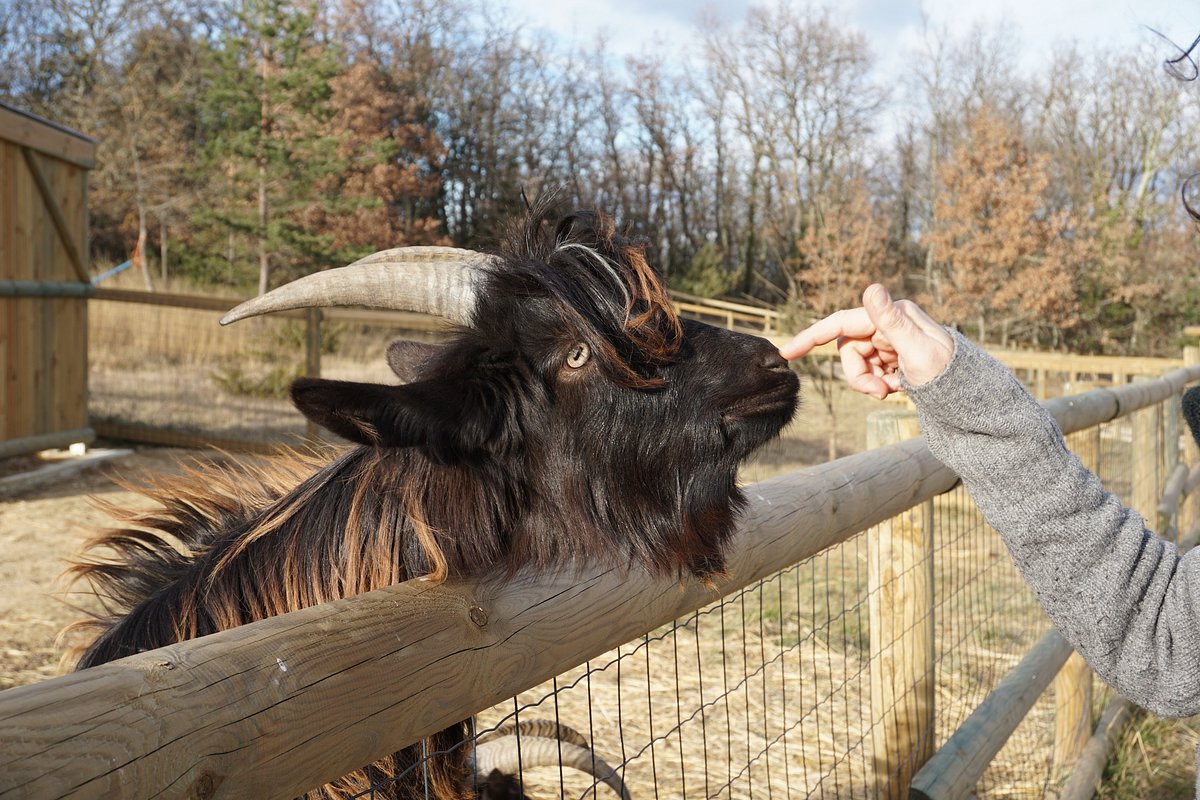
[(166, 575)]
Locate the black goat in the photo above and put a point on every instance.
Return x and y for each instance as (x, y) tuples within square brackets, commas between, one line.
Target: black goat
[(572, 417)]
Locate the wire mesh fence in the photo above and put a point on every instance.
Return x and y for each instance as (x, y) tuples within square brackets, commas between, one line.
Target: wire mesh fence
[(778, 689), (168, 374)]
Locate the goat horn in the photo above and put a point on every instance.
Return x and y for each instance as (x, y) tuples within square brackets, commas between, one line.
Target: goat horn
[(546, 728), (537, 751), (431, 280)]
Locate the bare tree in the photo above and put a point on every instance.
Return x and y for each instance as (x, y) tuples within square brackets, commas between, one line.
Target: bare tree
[(803, 108)]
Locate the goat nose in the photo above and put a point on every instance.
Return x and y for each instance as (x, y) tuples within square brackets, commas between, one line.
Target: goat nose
[(771, 359)]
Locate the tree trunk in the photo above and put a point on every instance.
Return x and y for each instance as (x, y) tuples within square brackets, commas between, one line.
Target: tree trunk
[(140, 250), (751, 243), (264, 265), (162, 252)]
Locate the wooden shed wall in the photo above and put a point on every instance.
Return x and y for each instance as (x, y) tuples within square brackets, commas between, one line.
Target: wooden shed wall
[(43, 339)]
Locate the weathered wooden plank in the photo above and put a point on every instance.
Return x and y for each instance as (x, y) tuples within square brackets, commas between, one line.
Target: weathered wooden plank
[(68, 237), (18, 265), (43, 230), (1073, 685), (1147, 482), (72, 366), (47, 137), (46, 441), (202, 302), (44, 400), (1085, 779), (900, 600), (8, 191), (1067, 363), (8, 200), (24, 375), (748, 310), (404, 320), (6, 348)]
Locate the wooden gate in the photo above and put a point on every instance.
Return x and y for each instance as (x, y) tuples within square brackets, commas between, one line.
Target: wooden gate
[(44, 283)]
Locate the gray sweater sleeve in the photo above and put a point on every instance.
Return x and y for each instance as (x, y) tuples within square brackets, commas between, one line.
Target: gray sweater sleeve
[(1123, 597)]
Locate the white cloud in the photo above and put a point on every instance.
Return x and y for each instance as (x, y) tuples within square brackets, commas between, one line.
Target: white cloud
[(634, 26)]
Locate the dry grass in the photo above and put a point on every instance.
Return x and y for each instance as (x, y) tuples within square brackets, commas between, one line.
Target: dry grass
[(1156, 758)]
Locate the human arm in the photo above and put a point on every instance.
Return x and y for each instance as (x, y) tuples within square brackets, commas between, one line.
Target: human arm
[(1124, 598)]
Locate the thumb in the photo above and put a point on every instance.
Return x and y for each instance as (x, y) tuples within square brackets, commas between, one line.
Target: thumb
[(889, 319), (923, 347)]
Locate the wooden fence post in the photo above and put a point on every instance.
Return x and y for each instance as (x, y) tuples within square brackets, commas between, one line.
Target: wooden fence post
[(1073, 685), (900, 603), (312, 362), (1169, 436), (1146, 460)]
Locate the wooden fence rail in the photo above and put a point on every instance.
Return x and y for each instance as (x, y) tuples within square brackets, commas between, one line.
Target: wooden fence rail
[(231, 715)]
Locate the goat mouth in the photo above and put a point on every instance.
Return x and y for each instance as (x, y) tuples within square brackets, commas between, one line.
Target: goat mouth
[(779, 403)]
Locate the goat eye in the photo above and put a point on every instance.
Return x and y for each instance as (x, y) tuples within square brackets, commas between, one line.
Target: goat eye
[(579, 355)]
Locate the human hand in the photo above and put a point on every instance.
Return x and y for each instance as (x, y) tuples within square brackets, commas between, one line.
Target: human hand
[(877, 340)]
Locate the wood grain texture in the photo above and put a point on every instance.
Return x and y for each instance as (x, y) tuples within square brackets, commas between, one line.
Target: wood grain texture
[(43, 238), (1067, 364), (900, 600), (69, 237), (1146, 463), (1073, 685), (1085, 780), (47, 137)]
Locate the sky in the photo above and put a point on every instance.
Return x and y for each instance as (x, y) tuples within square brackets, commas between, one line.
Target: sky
[(892, 27)]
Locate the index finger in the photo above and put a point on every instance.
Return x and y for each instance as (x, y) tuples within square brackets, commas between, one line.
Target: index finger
[(852, 323)]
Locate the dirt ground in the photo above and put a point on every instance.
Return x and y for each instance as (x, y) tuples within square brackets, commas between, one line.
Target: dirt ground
[(39, 530)]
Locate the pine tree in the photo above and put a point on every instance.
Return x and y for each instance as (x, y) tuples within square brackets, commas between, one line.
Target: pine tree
[(265, 136)]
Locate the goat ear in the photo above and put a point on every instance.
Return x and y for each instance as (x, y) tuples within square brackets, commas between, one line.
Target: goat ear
[(451, 422), (408, 358), (353, 411)]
